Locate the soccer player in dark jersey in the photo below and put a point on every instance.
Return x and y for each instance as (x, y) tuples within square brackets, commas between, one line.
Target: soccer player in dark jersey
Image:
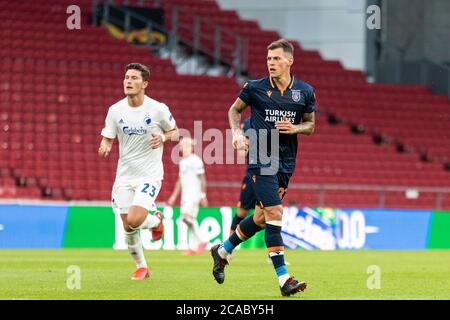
[(281, 108), (247, 199)]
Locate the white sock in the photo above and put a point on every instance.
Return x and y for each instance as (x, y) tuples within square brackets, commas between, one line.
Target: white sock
[(135, 248), (223, 253), (192, 240), (150, 222), (195, 236), (282, 279)]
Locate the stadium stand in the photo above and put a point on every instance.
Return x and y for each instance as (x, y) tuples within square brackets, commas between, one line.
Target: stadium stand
[(56, 85)]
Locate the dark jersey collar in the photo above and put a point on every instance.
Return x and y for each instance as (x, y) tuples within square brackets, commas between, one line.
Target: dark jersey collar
[(272, 83)]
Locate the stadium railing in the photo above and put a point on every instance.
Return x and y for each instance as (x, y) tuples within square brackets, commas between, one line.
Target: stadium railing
[(232, 52)]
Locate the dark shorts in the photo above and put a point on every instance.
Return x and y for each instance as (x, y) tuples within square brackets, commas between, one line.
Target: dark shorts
[(269, 190), (247, 198)]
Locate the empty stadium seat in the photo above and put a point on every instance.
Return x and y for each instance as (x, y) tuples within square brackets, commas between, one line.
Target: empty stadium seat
[(56, 86)]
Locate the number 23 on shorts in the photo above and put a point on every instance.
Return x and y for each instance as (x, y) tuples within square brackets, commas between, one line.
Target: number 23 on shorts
[(152, 191)]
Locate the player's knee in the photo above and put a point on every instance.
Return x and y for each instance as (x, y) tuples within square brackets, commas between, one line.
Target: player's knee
[(133, 223), (273, 213), (259, 220)]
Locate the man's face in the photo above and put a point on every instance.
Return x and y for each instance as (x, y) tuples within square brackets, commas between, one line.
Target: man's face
[(133, 83), (278, 62)]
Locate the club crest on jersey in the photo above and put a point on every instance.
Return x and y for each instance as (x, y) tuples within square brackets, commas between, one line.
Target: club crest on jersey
[(296, 95), (269, 93), (147, 119)]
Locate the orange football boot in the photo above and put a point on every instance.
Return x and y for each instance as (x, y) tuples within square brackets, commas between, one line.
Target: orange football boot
[(140, 274), (158, 231), (201, 247)]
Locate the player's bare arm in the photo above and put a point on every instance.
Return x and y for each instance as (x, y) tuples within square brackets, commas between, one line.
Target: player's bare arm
[(234, 117), (176, 191), (105, 147), (158, 140), (306, 127)]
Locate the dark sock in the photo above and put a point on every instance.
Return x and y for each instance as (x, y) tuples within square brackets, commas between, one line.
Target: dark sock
[(235, 222), (274, 243), (245, 230)]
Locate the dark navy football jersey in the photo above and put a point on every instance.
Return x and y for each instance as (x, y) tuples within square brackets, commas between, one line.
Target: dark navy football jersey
[(269, 105)]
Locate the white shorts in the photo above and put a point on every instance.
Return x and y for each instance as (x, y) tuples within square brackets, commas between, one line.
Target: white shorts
[(189, 207), (142, 195)]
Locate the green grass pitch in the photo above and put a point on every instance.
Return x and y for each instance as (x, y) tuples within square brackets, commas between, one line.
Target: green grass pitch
[(105, 274)]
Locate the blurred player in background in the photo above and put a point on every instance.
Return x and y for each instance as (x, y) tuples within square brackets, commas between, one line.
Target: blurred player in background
[(142, 125), (192, 184), (283, 106)]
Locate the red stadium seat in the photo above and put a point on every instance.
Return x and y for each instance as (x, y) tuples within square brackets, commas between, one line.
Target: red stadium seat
[(50, 122)]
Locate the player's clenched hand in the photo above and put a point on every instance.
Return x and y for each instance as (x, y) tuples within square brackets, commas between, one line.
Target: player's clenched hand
[(285, 126), (104, 150), (240, 142), (155, 141)]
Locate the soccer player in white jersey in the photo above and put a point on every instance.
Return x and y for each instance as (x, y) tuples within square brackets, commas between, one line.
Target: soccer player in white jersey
[(142, 125), (192, 183)]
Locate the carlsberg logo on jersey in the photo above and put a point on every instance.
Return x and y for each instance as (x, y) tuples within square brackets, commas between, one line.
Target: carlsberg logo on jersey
[(134, 131)]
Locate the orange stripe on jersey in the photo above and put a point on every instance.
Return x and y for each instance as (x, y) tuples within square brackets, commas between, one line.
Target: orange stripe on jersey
[(241, 234), (271, 83), (272, 249)]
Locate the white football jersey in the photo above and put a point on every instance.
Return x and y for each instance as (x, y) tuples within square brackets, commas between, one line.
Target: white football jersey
[(190, 169), (133, 127)]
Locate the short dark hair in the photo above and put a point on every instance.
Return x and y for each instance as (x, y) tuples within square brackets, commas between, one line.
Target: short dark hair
[(145, 73), (283, 44)]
